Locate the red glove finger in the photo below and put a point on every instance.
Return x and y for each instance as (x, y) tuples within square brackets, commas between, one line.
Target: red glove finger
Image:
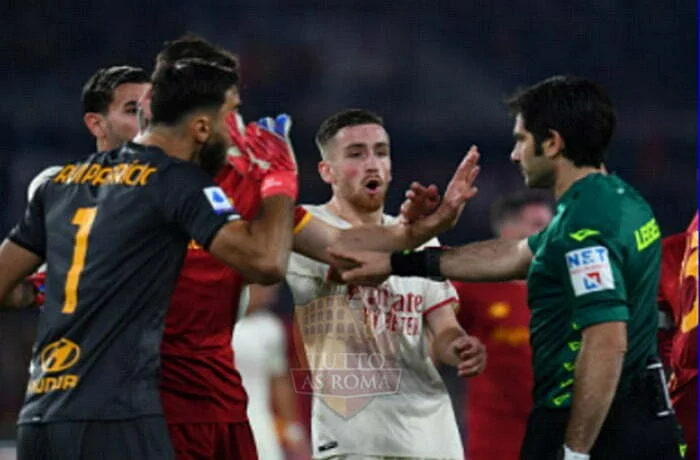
[(38, 280)]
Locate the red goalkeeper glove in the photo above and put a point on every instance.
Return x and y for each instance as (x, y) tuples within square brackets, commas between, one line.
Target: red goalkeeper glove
[(264, 155), (38, 280)]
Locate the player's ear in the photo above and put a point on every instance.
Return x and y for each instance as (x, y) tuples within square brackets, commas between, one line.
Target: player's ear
[(201, 127), (553, 145), (95, 123), (326, 172)]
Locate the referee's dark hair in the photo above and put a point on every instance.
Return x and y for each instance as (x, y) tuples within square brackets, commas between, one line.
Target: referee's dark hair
[(575, 107), (510, 206), (98, 91)]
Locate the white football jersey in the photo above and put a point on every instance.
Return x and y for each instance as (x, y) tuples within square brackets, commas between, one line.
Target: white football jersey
[(260, 344), (376, 390)]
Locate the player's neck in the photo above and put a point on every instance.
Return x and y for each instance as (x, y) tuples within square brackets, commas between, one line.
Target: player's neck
[(169, 140), (351, 214), (104, 144), (568, 174)]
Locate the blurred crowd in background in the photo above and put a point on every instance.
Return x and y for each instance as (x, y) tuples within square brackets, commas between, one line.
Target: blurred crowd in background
[(436, 71)]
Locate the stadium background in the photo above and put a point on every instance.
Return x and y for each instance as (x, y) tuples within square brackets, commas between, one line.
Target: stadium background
[(437, 71)]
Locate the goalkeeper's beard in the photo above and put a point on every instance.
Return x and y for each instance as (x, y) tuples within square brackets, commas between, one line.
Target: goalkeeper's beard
[(212, 155)]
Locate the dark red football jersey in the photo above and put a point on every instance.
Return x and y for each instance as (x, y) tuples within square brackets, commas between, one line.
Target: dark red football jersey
[(200, 383), (684, 351), (498, 401), (668, 299)]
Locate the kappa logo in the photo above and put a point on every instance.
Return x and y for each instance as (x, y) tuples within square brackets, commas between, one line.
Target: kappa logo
[(590, 270), (584, 233), (218, 200)]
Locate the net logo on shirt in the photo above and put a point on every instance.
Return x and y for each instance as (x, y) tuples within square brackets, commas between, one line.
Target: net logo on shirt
[(589, 270), (218, 200)]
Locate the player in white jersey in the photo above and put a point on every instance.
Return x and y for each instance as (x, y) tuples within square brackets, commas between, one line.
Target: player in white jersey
[(376, 390), (260, 345)]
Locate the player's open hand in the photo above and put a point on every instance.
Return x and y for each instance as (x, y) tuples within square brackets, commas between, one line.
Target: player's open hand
[(460, 189), (472, 356), (420, 202), (366, 268)]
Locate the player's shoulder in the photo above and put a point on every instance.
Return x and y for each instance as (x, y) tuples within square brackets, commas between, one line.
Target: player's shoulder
[(40, 179), (597, 206), (321, 211)]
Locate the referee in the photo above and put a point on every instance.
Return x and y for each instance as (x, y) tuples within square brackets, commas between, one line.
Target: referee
[(592, 277)]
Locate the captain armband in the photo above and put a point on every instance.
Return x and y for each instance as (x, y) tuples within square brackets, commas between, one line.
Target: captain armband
[(424, 263)]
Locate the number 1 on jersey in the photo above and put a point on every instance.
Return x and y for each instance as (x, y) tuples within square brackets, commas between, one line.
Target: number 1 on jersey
[(83, 219)]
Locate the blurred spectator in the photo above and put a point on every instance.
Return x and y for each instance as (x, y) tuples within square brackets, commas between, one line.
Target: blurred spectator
[(260, 347)]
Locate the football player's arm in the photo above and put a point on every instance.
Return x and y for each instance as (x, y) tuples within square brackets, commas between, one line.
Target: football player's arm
[(452, 345), (317, 236), (23, 252), (259, 248), (16, 263)]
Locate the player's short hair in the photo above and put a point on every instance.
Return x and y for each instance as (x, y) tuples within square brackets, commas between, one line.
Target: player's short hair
[(510, 206), (194, 46), (187, 85), (98, 91), (350, 117), (576, 107)]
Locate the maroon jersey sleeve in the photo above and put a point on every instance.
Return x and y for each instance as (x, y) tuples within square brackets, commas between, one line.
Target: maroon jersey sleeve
[(685, 349), (668, 298)]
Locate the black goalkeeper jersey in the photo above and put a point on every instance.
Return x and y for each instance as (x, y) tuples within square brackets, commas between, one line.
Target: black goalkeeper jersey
[(113, 230)]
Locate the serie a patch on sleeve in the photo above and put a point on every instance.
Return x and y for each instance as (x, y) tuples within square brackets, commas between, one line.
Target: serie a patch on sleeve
[(218, 200), (589, 270)]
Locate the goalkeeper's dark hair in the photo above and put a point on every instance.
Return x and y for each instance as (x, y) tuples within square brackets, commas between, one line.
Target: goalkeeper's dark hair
[(350, 117), (510, 206), (188, 85), (194, 46), (98, 91), (576, 107)]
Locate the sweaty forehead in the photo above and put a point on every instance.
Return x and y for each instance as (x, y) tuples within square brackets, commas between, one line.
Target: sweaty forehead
[(368, 134)]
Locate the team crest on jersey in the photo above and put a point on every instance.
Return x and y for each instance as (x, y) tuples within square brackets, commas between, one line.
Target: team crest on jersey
[(589, 270), (218, 200)]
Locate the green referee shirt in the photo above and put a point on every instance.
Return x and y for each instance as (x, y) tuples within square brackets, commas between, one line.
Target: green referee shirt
[(598, 261)]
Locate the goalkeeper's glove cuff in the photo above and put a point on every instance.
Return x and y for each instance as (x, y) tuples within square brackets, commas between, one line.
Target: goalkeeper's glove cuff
[(280, 183)]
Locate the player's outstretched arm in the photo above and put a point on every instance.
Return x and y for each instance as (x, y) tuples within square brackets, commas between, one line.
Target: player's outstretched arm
[(453, 346), (16, 263), (491, 260), (260, 248), (317, 236)]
